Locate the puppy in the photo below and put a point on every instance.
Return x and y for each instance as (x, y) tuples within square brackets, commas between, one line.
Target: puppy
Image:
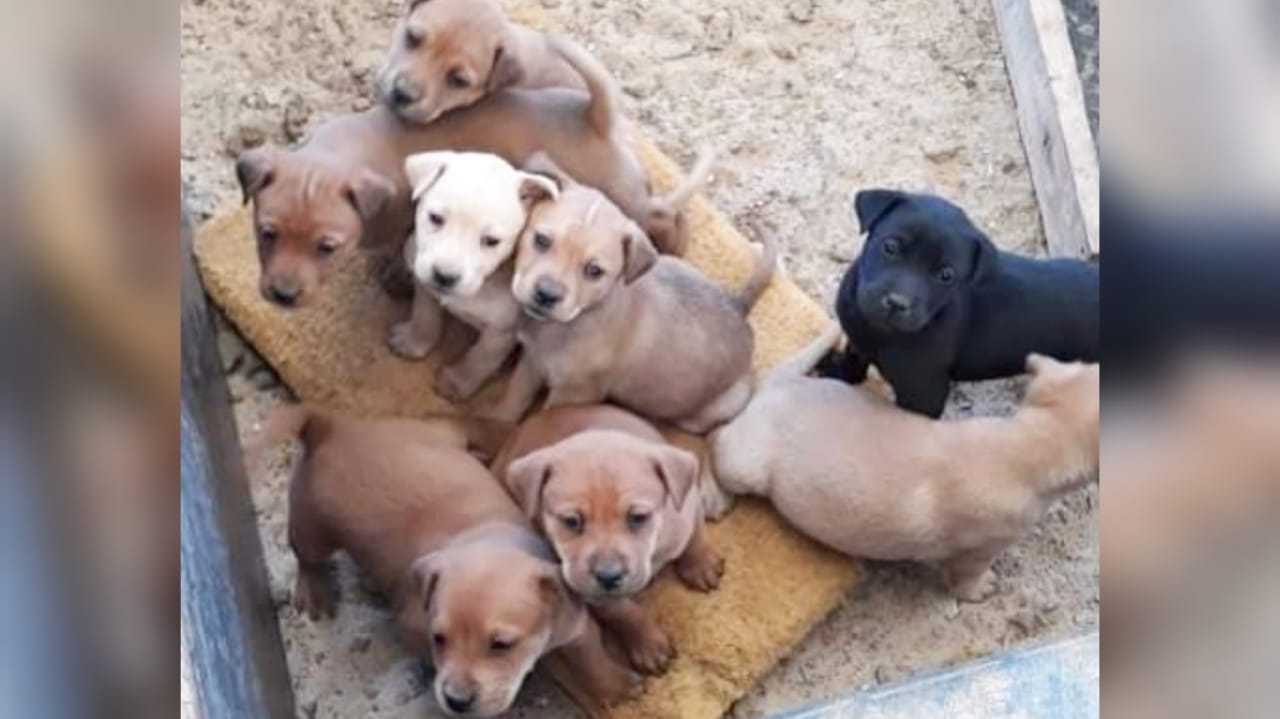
[(607, 318), (930, 299), (345, 185), (470, 582), (470, 209), (615, 500), (850, 469), (447, 54)]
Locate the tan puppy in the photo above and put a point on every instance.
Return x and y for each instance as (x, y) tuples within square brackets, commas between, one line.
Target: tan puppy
[(470, 209), (469, 581), (346, 184), (857, 473), (447, 54), (614, 499), (610, 319)]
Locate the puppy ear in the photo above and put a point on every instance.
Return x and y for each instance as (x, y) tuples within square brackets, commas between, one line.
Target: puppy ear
[(424, 575), (871, 205), (424, 169), (540, 163), (986, 259), (678, 469), (526, 477), (369, 192), (255, 169), (568, 615), (1037, 363), (638, 254), (537, 188), (505, 70)]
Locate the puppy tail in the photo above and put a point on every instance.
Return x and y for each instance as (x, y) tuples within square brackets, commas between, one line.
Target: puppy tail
[(675, 200), (801, 363), (284, 423), (762, 275), (601, 109)]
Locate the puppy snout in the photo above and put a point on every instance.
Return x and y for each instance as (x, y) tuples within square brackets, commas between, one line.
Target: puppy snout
[(283, 294), (444, 280), (895, 302), (403, 92), (547, 293), (609, 574), (461, 702)]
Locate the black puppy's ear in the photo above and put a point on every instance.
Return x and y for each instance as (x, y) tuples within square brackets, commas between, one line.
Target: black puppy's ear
[(255, 169), (871, 205), (986, 259)]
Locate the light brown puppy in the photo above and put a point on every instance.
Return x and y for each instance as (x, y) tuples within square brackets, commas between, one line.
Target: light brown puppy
[(346, 185), (610, 319), (850, 469), (447, 54), (470, 582), (615, 500)]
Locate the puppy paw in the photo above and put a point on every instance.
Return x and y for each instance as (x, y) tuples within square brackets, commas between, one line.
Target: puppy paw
[(314, 597), (651, 652), (617, 685), (407, 342), (976, 589), (701, 571), (454, 385), (716, 502)]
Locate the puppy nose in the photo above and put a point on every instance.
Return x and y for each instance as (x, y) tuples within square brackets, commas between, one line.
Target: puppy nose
[(444, 280), (284, 296), (547, 293), (402, 92), (896, 302), (459, 704), (610, 577)]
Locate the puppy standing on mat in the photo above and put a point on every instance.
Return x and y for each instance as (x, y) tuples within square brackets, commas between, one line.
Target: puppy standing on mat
[(930, 300), (616, 501)]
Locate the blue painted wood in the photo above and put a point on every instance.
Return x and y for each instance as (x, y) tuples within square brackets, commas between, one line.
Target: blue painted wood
[(1055, 681)]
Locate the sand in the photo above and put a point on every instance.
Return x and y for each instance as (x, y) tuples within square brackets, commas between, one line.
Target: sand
[(807, 102)]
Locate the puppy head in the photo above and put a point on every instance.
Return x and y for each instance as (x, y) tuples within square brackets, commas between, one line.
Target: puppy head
[(446, 54), (921, 254), (308, 216), (489, 610), (1070, 390), (469, 210), (602, 497), (574, 252)]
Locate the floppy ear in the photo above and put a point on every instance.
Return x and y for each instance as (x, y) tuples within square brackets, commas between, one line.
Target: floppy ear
[(369, 192), (537, 188), (871, 205), (568, 615), (678, 469), (638, 254), (526, 478), (1037, 363), (986, 258), (424, 169), (504, 72), (424, 575), (540, 163), (255, 169)]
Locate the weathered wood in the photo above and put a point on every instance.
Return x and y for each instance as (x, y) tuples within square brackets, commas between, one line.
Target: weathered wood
[(1055, 126), (235, 656)]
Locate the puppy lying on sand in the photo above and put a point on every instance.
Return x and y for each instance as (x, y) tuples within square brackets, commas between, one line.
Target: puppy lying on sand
[(848, 468), (470, 582), (616, 502)]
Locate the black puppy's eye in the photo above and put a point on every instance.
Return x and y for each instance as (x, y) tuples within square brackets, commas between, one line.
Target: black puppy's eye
[(573, 523), (593, 271), (457, 80), (946, 275), (636, 520), (438, 640), (489, 241), (412, 39), (892, 246), (498, 645), (541, 241), (326, 247), (436, 219)]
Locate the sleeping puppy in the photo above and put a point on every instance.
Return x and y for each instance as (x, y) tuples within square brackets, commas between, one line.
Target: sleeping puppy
[(930, 300), (848, 468), (447, 54), (472, 586), (616, 502), (470, 210)]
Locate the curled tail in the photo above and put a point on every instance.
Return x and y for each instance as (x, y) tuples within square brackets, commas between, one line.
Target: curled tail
[(761, 275), (806, 359), (601, 109), (675, 200), (665, 223)]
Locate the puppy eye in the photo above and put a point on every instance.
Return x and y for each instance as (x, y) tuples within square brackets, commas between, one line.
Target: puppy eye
[(946, 275), (573, 523), (412, 39), (438, 640), (498, 646), (326, 247), (268, 235), (489, 241), (593, 271), (457, 81), (892, 246), (436, 219), (637, 520), (541, 241)]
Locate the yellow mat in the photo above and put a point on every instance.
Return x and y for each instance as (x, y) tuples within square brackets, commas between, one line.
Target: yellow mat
[(777, 584)]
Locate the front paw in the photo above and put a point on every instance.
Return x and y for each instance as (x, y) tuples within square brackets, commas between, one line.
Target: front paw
[(701, 572), (408, 342), (314, 597), (977, 589), (716, 502), (616, 684), (651, 651), (454, 385)]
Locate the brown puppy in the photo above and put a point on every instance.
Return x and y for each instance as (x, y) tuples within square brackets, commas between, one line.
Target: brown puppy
[(469, 581), (346, 184), (610, 319), (852, 470), (614, 499), (447, 54)]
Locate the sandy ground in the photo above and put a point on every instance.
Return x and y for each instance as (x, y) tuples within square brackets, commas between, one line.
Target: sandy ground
[(808, 101)]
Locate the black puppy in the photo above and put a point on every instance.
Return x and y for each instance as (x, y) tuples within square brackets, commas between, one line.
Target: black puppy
[(930, 299)]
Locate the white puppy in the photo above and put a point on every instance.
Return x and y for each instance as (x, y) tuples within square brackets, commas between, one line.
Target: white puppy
[(469, 210)]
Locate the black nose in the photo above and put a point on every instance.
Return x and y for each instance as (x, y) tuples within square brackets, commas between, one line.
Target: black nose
[(284, 296), (610, 578), (547, 293), (895, 302), (401, 93), (444, 280), (461, 705)]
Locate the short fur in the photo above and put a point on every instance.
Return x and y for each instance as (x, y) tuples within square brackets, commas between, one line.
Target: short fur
[(930, 300), (848, 468)]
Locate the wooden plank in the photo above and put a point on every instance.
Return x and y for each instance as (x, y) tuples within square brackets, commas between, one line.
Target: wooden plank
[(1055, 126), (235, 658)]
